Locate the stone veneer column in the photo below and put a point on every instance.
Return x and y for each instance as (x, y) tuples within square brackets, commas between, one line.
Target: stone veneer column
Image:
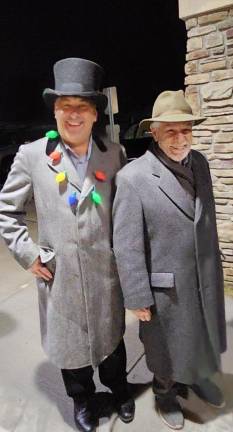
[(209, 89)]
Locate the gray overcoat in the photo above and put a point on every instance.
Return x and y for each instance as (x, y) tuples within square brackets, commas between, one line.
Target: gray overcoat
[(81, 310), (168, 258)]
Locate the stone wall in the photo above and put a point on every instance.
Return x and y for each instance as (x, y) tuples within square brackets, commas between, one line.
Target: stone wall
[(188, 8), (209, 82)]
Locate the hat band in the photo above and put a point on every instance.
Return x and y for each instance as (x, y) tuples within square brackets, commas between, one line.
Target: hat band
[(71, 87), (172, 112)]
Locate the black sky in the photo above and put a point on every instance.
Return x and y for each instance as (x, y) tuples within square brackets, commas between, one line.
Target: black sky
[(142, 49)]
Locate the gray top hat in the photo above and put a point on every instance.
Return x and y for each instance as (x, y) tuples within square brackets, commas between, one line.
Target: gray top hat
[(77, 77)]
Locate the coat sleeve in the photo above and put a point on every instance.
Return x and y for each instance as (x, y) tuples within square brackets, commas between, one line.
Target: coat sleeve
[(13, 197), (128, 244)]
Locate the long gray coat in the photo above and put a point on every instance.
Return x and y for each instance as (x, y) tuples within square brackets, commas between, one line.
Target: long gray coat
[(168, 257), (81, 311)]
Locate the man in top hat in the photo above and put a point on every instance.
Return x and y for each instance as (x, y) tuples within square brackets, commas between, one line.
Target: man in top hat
[(166, 246), (71, 175)]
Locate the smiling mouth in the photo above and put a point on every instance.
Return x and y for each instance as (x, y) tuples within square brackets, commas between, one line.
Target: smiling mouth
[(180, 149), (77, 124)]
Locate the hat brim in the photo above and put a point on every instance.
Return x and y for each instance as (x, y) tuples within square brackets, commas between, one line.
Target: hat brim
[(99, 99), (144, 125)]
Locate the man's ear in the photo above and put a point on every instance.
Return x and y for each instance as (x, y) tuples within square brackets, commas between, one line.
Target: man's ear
[(55, 109), (154, 132)]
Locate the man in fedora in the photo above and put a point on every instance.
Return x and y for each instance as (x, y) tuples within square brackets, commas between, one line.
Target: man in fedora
[(166, 247), (71, 175)]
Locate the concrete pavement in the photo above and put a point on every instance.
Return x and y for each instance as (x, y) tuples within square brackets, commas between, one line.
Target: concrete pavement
[(32, 396)]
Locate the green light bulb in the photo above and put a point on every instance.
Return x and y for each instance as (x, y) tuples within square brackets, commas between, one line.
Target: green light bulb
[(96, 197), (52, 134)]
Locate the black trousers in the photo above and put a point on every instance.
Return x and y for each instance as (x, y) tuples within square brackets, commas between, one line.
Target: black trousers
[(167, 388), (161, 386), (80, 385)]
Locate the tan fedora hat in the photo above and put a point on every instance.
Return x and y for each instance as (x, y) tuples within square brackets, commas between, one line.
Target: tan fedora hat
[(170, 106)]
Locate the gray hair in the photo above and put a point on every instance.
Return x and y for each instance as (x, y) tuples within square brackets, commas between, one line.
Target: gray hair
[(154, 125)]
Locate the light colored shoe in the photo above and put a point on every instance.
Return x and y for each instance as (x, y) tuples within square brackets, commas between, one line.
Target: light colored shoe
[(210, 393), (170, 411)]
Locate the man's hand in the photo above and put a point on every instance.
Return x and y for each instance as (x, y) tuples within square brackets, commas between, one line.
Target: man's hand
[(143, 314), (39, 270)]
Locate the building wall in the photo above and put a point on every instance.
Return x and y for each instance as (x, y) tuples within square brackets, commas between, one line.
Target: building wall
[(189, 8), (209, 89)]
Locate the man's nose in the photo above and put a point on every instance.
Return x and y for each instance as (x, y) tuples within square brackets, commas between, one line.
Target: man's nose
[(74, 112), (181, 138)]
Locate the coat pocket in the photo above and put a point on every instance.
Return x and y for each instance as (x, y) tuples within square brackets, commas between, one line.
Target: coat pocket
[(162, 280), (47, 256)]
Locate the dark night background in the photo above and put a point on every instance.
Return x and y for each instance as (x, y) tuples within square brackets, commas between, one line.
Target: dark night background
[(141, 47)]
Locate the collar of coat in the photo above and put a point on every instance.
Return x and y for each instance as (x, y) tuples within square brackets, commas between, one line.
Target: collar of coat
[(171, 187), (96, 163)]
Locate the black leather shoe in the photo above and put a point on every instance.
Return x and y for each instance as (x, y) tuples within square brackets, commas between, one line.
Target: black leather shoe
[(84, 419), (126, 410)]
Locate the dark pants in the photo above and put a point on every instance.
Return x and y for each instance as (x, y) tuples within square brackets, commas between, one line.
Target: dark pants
[(79, 383), (161, 386), (168, 388)]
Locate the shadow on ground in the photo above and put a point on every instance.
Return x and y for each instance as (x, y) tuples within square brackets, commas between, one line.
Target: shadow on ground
[(198, 411), (8, 324), (49, 382)]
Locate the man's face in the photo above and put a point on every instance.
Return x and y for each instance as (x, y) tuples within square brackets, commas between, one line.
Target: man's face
[(174, 139), (75, 117)]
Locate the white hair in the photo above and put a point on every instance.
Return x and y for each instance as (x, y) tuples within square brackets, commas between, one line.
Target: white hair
[(154, 125)]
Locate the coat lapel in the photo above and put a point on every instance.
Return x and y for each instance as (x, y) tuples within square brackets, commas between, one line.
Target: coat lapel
[(175, 192), (171, 187), (200, 183)]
